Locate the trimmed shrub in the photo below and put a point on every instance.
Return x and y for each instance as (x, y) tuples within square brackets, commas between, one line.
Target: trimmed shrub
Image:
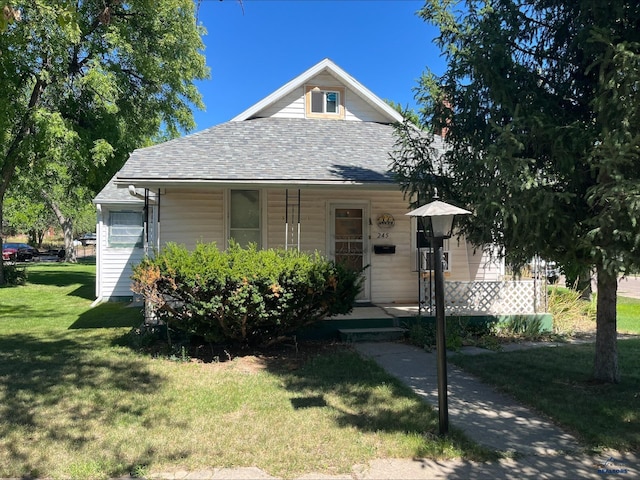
[(248, 295), (14, 275)]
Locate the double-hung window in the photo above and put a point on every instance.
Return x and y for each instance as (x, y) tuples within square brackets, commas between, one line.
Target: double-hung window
[(244, 217)]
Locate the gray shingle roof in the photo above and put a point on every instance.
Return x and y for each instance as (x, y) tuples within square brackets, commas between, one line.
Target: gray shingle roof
[(112, 194), (270, 150)]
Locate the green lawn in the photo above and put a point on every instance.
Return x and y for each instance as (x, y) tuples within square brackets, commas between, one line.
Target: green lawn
[(556, 381), (628, 315), (77, 402)]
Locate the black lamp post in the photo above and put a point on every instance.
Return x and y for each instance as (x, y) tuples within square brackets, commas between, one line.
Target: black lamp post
[(439, 225)]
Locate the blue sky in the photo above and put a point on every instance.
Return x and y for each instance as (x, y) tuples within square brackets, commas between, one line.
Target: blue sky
[(254, 48)]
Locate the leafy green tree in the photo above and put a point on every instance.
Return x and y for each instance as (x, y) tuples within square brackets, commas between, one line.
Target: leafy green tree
[(408, 113), (24, 214), (7, 14), (86, 82), (542, 105)]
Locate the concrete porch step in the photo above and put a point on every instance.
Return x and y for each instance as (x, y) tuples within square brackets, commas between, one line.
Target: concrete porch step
[(386, 334)]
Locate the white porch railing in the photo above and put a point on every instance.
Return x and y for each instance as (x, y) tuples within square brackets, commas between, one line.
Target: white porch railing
[(507, 297)]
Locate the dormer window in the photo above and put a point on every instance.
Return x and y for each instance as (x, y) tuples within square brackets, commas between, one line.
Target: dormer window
[(325, 102)]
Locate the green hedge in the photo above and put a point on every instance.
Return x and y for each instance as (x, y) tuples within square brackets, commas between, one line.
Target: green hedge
[(247, 295)]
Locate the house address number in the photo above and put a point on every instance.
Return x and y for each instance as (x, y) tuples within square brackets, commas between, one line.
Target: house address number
[(383, 235)]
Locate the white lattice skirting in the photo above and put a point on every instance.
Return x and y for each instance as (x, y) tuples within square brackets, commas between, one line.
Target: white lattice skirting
[(488, 298)]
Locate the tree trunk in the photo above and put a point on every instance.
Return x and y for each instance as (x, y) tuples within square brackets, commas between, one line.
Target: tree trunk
[(2, 279), (606, 359), (40, 238), (584, 285), (69, 247), (579, 279), (67, 228)]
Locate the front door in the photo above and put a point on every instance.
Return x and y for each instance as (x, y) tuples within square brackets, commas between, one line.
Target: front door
[(350, 240)]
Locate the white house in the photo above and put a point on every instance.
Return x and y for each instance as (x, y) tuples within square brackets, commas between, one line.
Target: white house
[(306, 167)]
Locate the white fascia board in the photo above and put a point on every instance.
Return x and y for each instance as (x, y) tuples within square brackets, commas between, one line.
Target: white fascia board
[(367, 94), (303, 78)]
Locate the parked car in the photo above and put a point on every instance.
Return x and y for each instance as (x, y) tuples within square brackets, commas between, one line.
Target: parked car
[(8, 253), (23, 251), (87, 239)]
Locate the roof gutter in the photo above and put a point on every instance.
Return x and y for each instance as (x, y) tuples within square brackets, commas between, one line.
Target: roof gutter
[(199, 183), (133, 191)]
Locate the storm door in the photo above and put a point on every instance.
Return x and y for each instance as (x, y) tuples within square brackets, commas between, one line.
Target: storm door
[(350, 240)]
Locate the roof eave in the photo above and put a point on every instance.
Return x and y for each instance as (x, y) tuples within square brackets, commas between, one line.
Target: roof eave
[(152, 184)]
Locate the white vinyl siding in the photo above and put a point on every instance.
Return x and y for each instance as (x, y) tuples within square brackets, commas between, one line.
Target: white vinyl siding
[(358, 110), (293, 104), (117, 270), (198, 215), (483, 266), (114, 264), (391, 276), (191, 216), (290, 106)]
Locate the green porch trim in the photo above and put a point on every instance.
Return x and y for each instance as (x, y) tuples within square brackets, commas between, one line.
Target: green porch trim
[(329, 329)]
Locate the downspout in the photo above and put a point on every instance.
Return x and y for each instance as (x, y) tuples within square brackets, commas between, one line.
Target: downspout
[(158, 221), (99, 298), (146, 221), (286, 219)]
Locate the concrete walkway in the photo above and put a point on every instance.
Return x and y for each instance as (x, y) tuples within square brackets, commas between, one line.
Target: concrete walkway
[(537, 448), (485, 416)]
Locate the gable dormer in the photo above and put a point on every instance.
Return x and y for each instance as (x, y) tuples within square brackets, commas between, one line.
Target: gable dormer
[(326, 92)]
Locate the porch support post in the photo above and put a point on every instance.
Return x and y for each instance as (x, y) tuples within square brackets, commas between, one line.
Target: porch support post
[(298, 235)]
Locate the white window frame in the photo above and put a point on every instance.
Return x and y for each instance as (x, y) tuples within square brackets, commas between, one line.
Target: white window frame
[(420, 258), (425, 253), (139, 237), (325, 101), (324, 91)]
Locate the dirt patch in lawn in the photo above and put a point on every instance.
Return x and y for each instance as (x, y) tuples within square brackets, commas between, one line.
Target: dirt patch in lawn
[(282, 356)]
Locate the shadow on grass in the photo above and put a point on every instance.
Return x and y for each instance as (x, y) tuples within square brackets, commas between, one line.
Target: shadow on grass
[(371, 401), (368, 391), (26, 311), (54, 388), (62, 275), (109, 315)]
